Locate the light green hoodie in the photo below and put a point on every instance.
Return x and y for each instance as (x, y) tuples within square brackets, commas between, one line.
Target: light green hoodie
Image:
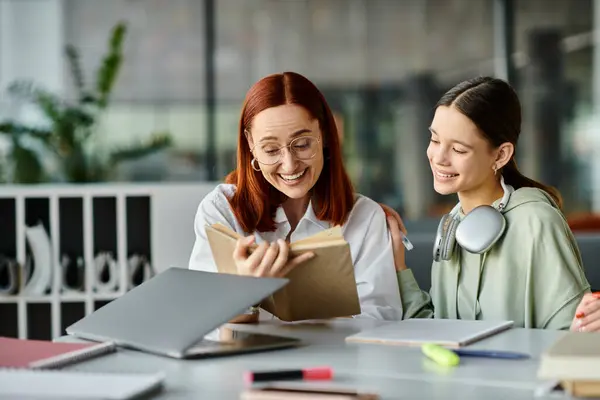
[(533, 275)]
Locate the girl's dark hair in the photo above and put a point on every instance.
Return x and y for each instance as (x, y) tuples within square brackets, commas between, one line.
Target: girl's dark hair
[(493, 105)]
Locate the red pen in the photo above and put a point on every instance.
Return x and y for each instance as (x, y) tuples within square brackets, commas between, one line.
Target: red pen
[(307, 374)]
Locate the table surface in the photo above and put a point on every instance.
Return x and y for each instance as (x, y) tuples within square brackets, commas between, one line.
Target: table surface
[(394, 372)]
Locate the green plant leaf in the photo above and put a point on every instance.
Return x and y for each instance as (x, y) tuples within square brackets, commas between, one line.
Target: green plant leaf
[(111, 65), (3, 178), (88, 98), (78, 117), (50, 104), (76, 72), (26, 164), (71, 125), (157, 142), (14, 129)]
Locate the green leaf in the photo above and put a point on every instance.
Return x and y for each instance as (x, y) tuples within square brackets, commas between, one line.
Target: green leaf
[(3, 178), (111, 65), (50, 104), (14, 129), (76, 72), (79, 117), (157, 142), (88, 98), (75, 165), (26, 164)]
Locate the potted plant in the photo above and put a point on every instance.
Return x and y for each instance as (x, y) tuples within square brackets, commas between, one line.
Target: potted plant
[(71, 125)]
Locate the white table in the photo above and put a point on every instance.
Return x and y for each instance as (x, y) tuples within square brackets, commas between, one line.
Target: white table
[(395, 372)]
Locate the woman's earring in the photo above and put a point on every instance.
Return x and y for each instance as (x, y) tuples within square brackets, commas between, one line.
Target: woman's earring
[(495, 169), (254, 166)]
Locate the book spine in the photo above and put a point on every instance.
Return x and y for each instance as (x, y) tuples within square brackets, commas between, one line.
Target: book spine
[(73, 357)]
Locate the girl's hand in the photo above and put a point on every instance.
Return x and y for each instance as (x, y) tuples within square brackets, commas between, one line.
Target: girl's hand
[(397, 229), (587, 315)]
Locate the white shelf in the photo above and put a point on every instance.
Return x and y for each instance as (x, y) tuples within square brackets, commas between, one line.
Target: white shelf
[(106, 296), (9, 299), (63, 298), (72, 297), (171, 215), (89, 295), (36, 299)]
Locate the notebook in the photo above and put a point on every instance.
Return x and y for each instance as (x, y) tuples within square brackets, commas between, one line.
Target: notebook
[(323, 287), (453, 333), (76, 385), (574, 360), (40, 354)]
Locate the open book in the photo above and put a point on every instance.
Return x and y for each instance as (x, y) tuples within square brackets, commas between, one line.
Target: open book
[(322, 287)]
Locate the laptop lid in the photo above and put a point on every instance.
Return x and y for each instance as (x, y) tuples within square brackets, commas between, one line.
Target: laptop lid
[(174, 310)]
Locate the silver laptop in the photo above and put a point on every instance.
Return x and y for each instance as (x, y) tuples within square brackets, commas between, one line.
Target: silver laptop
[(179, 313)]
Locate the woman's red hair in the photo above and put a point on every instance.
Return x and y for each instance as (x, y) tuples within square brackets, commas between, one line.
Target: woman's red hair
[(255, 200)]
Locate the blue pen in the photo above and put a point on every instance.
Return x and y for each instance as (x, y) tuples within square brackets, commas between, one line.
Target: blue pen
[(491, 354)]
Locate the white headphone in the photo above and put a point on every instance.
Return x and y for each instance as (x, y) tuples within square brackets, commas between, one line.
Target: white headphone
[(477, 232)]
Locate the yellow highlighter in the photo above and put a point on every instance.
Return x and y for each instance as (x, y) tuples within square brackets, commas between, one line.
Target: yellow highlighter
[(440, 355)]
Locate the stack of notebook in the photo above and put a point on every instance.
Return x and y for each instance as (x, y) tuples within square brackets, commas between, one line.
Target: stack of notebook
[(42, 354), (574, 361), (29, 369)]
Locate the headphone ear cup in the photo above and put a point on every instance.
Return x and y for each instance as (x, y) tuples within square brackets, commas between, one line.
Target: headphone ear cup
[(445, 233), (450, 242), (480, 229), (439, 239)]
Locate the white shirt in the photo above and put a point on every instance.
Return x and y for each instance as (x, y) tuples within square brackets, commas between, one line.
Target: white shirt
[(365, 231)]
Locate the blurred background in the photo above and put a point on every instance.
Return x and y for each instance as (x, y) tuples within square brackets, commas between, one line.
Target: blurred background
[(382, 64), (118, 116)]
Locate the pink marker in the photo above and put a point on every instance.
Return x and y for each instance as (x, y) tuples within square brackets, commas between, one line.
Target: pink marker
[(307, 374)]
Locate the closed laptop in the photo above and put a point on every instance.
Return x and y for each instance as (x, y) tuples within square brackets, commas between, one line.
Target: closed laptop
[(176, 312)]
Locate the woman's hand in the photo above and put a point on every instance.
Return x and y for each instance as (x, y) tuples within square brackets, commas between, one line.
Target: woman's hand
[(267, 260), (396, 228), (587, 315)]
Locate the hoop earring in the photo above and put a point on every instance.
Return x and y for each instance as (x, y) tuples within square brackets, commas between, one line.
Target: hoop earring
[(254, 166)]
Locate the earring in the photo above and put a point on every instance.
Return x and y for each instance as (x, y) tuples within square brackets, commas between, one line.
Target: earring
[(495, 169), (254, 166)]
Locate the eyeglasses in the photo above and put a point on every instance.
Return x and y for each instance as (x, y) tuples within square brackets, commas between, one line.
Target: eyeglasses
[(302, 148)]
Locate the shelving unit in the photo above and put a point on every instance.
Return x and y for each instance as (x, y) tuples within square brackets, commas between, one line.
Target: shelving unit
[(153, 221)]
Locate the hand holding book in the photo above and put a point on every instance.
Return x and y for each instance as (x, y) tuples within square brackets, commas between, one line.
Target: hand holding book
[(267, 259), (320, 269)]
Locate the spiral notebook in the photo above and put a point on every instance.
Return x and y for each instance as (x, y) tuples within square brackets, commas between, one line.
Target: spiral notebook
[(453, 333), (42, 354), (22, 383)]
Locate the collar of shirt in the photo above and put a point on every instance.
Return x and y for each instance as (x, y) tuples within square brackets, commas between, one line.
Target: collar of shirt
[(308, 225)]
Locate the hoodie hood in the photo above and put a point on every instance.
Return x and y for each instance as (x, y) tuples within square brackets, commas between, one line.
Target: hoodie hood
[(529, 195), (517, 198)]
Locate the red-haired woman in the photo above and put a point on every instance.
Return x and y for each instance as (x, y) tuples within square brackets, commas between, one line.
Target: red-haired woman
[(290, 183)]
